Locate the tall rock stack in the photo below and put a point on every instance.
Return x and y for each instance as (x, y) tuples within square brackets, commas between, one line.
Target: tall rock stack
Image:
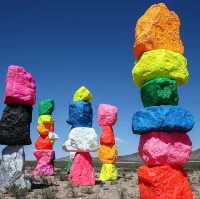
[(164, 143), (19, 97), (107, 152), (82, 139), (44, 152)]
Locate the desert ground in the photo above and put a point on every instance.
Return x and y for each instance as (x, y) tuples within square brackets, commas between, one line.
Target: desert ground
[(58, 187)]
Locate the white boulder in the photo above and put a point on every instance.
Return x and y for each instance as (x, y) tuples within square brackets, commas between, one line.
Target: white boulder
[(81, 139)]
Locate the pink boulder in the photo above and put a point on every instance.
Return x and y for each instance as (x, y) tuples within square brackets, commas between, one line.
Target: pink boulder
[(45, 163), (107, 115), (20, 86), (162, 148), (82, 172)]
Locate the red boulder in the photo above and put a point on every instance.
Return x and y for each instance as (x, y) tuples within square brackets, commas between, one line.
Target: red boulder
[(163, 182)]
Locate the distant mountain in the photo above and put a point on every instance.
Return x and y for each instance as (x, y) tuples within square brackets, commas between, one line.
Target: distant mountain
[(135, 157), (195, 155)]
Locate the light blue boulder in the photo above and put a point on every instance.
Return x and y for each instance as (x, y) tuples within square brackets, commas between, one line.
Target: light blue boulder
[(166, 118)]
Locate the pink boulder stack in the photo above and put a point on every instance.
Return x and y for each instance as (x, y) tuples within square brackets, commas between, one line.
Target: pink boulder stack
[(20, 86), (45, 162), (162, 148), (82, 171)]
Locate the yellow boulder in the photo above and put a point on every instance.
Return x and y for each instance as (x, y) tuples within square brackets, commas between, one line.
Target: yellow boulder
[(108, 172), (82, 94), (160, 63), (45, 119), (107, 153), (158, 28)]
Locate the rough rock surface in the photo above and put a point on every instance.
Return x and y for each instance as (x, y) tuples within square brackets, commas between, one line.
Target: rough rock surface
[(155, 30), (108, 172), (82, 172), (82, 94), (160, 63), (107, 135), (160, 91), (107, 115), (15, 125), (163, 182), (12, 168), (107, 153), (45, 163), (80, 114), (161, 148), (20, 86), (162, 118), (43, 143), (46, 107), (81, 139)]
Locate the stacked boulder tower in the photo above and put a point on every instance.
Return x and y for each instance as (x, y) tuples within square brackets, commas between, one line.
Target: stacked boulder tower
[(19, 97), (44, 152), (162, 125), (107, 152), (82, 139)]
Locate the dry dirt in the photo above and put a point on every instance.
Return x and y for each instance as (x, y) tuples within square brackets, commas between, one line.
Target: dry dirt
[(58, 187)]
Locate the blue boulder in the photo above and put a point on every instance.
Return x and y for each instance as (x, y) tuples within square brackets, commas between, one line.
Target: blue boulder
[(80, 114), (162, 118)]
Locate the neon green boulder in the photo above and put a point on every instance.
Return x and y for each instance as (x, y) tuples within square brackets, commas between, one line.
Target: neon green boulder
[(160, 63)]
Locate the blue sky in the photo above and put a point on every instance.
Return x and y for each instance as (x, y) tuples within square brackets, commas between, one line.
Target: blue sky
[(66, 44)]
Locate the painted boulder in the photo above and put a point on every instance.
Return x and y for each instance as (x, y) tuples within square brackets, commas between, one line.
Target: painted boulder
[(82, 172), (162, 118), (162, 148), (107, 115), (81, 139), (162, 182), (20, 86)]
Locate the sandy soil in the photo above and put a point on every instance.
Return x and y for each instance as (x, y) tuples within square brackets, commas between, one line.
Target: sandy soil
[(58, 187)]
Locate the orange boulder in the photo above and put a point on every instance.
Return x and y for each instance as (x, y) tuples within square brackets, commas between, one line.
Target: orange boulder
[(107, 135), (158, 28), (44, 129), (163, 182), (107, 154)]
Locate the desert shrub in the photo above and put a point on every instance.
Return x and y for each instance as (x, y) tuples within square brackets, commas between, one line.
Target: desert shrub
[(17, 192)]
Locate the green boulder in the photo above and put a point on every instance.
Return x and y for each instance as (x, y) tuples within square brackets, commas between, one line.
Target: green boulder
[(160, 91), (46, 107), (68, 166)]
